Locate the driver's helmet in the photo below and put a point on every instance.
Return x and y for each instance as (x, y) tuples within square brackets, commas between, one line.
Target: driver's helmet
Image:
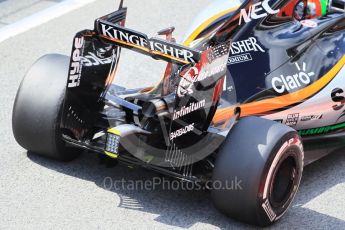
[(305, 9), (316, 8)]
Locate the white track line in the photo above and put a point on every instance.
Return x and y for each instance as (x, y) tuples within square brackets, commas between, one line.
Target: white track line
[(41, 17)]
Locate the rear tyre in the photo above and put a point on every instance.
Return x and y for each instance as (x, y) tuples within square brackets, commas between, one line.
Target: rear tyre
[(259, 168), (38, 106)]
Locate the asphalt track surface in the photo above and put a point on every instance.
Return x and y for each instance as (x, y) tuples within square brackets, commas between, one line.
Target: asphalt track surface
[(37, 193), (14, 10)]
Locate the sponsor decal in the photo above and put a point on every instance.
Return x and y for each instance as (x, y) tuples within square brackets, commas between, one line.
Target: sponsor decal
[(219, 52), (292, 119), (189, 109), (294, 81), (193, 75), (321, 130), (239, 50), (311, 117), (279, 121), (239, 58), (309, 23), (337, 96), (163, 47), (154, 46), (187, 81), (122, 34), (211, 68), (251, 44), (256, 11), (75, 67), (92, 60), (181, 131)]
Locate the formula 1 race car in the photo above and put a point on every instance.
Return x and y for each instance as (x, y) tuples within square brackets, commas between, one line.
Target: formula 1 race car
[(255, 92)]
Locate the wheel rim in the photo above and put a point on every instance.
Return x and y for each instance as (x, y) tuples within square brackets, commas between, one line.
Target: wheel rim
[(283, 183)]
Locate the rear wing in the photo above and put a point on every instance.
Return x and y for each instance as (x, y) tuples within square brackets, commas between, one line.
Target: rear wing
[(94, 60), (155, 47)]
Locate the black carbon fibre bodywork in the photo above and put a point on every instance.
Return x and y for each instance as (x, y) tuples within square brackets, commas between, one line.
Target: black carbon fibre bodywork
[(270, 66)]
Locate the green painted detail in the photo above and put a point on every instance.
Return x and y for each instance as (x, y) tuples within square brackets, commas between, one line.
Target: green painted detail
[(324, 6), (321, 130)]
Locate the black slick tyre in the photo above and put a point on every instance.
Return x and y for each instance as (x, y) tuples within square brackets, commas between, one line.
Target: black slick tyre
[(257, 171), (38, 106)]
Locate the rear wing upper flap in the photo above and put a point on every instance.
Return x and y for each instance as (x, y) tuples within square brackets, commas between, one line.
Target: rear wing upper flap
[(111, 29)]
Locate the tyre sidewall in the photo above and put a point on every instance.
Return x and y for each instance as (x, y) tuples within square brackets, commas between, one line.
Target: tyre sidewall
[(248, 155)]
